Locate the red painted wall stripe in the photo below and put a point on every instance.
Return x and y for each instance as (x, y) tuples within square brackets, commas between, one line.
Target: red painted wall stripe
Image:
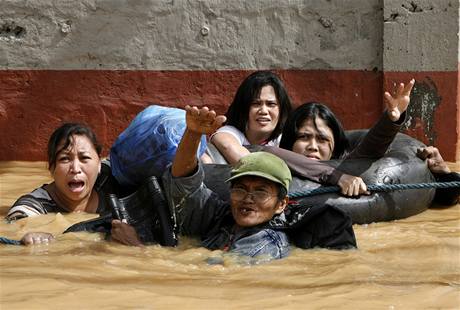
[(34, 102)]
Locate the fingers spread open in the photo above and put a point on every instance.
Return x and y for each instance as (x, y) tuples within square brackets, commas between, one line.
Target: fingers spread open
[(408, 87)]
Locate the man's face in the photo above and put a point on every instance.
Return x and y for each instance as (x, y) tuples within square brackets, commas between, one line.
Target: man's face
[(254, 200)]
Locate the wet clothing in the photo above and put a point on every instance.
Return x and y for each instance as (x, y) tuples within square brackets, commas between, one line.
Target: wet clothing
[(39, 201), (241, 138), (373, 145), (447, 196), (201, 213)]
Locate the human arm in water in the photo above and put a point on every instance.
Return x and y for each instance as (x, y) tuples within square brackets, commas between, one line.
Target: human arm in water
[(442, 173), (124, 234), (37, 238)]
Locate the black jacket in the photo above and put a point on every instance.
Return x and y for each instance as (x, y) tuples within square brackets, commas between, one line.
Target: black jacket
[(322, 226)]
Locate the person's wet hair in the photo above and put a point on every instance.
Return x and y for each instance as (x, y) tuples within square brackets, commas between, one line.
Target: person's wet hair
[(312, 110), (63, 135), (249, 90), (282, 192)]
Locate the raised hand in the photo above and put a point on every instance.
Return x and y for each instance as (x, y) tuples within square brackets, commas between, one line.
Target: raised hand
[(398, 104), (352, 186), (202, 120)]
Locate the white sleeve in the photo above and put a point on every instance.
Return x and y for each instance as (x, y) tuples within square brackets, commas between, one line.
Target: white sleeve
[(239, 136), (275, 142)]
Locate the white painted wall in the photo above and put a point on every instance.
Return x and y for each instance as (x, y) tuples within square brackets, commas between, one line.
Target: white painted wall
[(421, 35), (191, 35)]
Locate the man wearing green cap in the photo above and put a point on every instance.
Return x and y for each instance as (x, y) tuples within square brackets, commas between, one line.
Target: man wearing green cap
[(254, 223), (259, 186)]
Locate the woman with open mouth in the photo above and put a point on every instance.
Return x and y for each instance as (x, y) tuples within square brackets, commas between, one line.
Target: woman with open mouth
[(74, 163)]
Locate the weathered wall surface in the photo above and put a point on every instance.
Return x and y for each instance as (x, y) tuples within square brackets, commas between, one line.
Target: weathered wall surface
[(421, 40), (191, 35), (101, 62)]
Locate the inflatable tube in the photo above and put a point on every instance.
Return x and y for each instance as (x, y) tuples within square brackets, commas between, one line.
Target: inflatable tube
[(399, 165)]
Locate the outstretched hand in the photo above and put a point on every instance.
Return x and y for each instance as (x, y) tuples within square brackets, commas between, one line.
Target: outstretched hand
[(202, 120), (398, 104), (352, 186), (435, 162)]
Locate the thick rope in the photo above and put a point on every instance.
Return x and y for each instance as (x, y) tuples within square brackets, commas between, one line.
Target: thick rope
[(4, 240), (333, 189), (374, 188)]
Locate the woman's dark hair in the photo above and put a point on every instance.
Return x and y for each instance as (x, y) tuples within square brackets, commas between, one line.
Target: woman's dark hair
[(311, 110), (238, 111), (64, 134)]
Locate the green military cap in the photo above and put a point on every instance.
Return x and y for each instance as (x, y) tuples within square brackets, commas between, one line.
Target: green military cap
[(264, 165)]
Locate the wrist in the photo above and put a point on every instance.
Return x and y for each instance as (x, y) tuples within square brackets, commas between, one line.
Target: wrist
[(192, 134)]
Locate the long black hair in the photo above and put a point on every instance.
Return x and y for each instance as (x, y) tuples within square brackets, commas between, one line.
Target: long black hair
[(312, 110), (249, 90), (63, 134)]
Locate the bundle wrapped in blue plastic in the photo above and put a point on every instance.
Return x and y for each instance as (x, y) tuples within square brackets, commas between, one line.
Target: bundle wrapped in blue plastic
[(149, 144)]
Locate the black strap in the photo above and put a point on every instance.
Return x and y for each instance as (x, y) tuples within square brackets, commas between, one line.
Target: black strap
[(146, 210)]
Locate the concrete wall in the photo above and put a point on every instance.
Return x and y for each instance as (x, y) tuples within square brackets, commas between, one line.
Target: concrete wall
[(192, 35), (421, 40), (102, 62)]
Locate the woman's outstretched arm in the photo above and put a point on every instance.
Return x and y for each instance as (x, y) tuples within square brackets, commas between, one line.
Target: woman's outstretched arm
[(382, 134)]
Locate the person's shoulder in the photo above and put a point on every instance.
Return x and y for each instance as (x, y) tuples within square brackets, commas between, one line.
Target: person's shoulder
[(106, 182), (274, 243), (235, 132), (231, 130), (275, 236), (263, 241), (228, 128), (37, 194), (34, 203), (274, 142)]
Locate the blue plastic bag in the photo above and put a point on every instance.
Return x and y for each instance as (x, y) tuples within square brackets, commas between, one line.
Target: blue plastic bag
[(149, 144)]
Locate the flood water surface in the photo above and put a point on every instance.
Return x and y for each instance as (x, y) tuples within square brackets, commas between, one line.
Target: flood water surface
[(407, 264)]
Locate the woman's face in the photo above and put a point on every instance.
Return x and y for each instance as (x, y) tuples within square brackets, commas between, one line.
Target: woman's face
[(76, 168), (263, 114), (316, 142)]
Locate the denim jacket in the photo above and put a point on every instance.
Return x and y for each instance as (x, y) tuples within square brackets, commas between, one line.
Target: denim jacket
[(202, 213)]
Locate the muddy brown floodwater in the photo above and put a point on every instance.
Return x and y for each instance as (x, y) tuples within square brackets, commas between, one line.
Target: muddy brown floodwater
[(407, 264)]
